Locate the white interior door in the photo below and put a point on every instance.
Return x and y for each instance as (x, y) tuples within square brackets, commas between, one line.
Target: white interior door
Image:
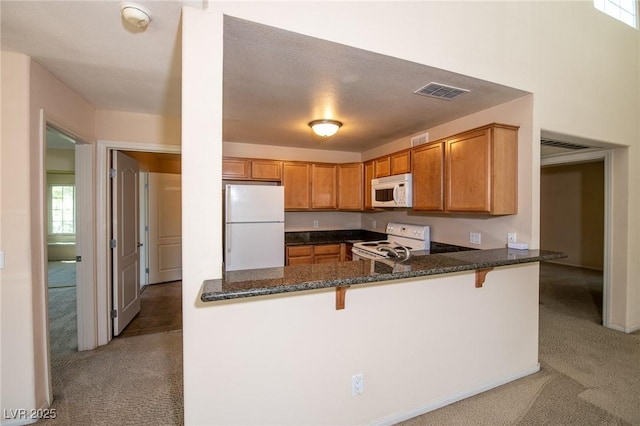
[(125, 234), (165, 227)]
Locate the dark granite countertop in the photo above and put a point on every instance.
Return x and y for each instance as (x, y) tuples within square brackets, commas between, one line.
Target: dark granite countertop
[(259, 282), (331, 237)]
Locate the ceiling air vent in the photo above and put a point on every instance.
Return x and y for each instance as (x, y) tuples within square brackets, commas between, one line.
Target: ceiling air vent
[(440, 91), (565, 145)]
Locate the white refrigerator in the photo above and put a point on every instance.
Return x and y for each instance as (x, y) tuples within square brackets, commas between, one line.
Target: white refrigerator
[(254, 227)]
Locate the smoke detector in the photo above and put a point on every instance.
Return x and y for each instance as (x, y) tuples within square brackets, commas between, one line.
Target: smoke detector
[(135, 15)]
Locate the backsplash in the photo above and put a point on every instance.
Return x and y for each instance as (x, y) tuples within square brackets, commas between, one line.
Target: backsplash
[(304, 221)]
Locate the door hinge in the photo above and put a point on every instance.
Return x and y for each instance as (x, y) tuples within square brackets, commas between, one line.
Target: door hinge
[(114, 314), (112, 173), (146, 228), (78, 258), (146, 270), (112, 243)]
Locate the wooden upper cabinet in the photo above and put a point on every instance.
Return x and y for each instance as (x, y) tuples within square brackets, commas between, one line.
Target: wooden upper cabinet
[(428, 177), (400, 162), (350, 186), (296, 180), (324, 187), (481, 170), (382, 167), (368, 175), (394, 164), (236, 168), (266, 169), (251, 169)]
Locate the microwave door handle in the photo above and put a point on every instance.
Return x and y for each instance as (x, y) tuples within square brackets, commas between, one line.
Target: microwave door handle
[(395, 194)]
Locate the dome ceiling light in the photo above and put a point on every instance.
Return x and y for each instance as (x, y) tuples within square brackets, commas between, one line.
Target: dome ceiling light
[(325, 127)]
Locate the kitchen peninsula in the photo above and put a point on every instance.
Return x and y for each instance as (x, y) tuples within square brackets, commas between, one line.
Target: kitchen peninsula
[(446, 259), (423, 334)]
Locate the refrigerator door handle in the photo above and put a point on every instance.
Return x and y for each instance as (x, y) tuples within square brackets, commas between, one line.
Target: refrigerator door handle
[(226, 212)]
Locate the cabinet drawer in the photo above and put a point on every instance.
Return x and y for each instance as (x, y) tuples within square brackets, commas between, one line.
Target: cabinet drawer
[(327, 249), (302, 260), (298, 251), (326, 258)]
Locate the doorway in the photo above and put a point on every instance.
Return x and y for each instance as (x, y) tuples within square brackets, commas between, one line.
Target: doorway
[(597, 228), (61, 225), (102, 308), (572, 214)]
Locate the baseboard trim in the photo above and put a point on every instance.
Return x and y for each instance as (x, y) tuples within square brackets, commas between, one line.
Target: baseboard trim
[(627, 330), (409, 414)]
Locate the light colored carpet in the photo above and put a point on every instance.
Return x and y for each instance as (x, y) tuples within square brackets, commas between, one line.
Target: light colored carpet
[(590, 375), (61, 273), (131, 381), (63, 323)]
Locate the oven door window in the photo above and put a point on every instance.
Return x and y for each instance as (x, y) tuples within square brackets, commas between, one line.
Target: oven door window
[(385, 194)]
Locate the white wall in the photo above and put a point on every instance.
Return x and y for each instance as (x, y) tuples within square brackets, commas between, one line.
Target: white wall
[(527, 45), (27, 88)]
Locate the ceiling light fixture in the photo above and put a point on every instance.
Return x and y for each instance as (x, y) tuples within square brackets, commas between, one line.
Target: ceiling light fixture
[(135, 15), (325, 127)]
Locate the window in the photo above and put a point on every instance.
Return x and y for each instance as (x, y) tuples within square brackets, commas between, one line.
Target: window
[(62, 209), (622, 10)]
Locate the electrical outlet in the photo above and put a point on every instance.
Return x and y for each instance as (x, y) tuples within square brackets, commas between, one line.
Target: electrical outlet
[(511, 237), (316, 224), (375, 224), (357, 384), (475, 237)]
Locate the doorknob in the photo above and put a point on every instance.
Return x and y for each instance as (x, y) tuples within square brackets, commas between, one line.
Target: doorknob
[(140, 244)]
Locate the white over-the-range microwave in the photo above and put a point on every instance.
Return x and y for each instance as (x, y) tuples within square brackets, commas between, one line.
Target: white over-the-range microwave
[(392, 191)]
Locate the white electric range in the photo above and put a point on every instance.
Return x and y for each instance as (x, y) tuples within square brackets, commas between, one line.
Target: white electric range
[(402, 239)]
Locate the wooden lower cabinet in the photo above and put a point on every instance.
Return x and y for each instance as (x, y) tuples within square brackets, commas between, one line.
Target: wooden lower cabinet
[(299, 255), (319, 253)]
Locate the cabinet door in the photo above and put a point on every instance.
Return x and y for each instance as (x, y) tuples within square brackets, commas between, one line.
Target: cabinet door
[(382, 167), (299, 255), (428, 177), (295, 178), (266, 170), (468, 172), (323, 186), (236, 168), (350, 186), (401, 162), (327, 253), (368, 175)]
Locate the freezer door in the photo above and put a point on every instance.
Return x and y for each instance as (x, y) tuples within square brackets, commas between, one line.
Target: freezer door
[(254, 245), (254, 203)]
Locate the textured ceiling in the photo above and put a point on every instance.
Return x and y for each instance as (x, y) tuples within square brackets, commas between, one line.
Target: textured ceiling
[(275, 81)]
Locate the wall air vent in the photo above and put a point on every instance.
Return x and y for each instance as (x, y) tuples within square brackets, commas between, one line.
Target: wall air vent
[(420, 139), (565, 145), (440, 91)]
